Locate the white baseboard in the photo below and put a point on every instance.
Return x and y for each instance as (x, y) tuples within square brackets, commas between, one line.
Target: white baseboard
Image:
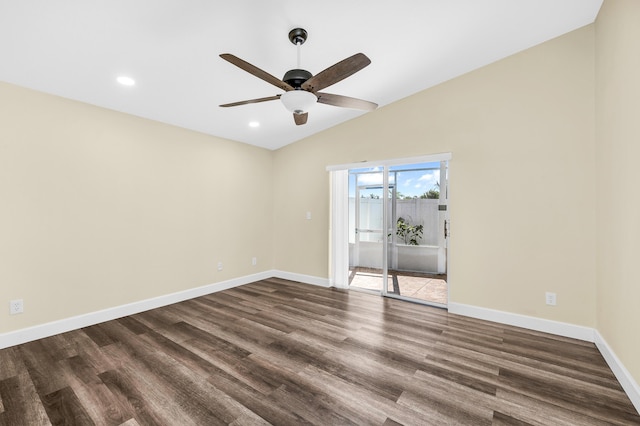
[(73, 323), (627, 382), (307, 279), (531, 323)]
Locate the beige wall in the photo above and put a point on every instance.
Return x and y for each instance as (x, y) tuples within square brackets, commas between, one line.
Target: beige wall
[(100, 209), (618, 156), (521, 132)]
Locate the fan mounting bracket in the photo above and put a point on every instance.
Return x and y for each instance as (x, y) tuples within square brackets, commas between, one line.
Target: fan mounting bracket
[(298, 36)]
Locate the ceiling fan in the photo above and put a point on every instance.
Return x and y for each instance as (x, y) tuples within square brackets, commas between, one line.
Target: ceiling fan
[(302, 89)]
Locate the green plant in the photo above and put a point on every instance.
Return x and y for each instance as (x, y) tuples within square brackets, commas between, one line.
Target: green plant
[(410, 234), (431, 194)]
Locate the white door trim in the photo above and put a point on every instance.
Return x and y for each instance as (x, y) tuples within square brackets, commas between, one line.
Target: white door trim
[(446, 156), (339, 215)]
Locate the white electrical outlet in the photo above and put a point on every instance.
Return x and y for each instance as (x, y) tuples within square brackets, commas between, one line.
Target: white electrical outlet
[(16, 306), (550, 298), (254, 261), (219, 266)]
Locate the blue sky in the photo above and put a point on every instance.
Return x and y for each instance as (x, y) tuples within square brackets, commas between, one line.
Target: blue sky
[(411, 182)]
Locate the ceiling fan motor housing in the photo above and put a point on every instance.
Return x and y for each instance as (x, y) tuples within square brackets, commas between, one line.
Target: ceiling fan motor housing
[(296, 77)]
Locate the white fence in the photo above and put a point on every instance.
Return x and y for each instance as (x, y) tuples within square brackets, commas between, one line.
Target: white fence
[(429, 257), (416, 211)]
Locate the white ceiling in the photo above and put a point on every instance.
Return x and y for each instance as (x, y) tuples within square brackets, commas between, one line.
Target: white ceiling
[(77, 49)]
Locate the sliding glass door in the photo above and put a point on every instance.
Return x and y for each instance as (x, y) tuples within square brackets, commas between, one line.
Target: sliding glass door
[(397, 231)]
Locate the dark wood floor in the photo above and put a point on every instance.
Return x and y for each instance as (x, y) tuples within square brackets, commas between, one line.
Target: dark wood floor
[(278, 352)]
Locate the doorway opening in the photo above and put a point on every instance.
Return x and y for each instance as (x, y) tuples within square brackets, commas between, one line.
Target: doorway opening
[(398, 217)]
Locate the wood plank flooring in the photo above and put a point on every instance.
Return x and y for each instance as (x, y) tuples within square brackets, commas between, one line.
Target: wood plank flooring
[(284, 353)]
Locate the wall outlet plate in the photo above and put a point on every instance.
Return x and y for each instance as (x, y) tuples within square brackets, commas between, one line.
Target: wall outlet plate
[(16, 306), (550, 298)]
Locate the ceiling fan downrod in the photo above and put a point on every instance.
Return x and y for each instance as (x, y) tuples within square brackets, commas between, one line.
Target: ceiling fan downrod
[(297, 76), (298, 36)]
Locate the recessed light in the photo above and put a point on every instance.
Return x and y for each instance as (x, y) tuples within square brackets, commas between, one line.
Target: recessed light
[(126, 81), (254, 124)]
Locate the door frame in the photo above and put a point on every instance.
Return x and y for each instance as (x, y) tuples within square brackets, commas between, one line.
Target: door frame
[(339, 215)]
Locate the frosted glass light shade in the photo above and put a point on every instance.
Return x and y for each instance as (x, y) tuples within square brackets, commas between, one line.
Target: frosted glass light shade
[(298, 101)]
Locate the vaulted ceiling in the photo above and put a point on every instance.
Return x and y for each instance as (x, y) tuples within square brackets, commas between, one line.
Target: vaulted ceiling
[(77, 49)]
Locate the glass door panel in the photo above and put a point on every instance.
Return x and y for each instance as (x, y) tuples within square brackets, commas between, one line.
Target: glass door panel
[(366, 230), (417, 253)]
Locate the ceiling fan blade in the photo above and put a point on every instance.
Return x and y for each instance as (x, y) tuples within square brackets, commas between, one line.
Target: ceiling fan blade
[(252, 69), (336, 72), (301, 119), (252, 101), (345, 101)]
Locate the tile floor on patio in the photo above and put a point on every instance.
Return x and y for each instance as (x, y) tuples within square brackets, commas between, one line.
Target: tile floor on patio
[(427, 287)]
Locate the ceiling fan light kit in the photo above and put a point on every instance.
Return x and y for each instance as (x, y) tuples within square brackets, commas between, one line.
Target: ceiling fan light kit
[(298, 101), (302, 89)]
